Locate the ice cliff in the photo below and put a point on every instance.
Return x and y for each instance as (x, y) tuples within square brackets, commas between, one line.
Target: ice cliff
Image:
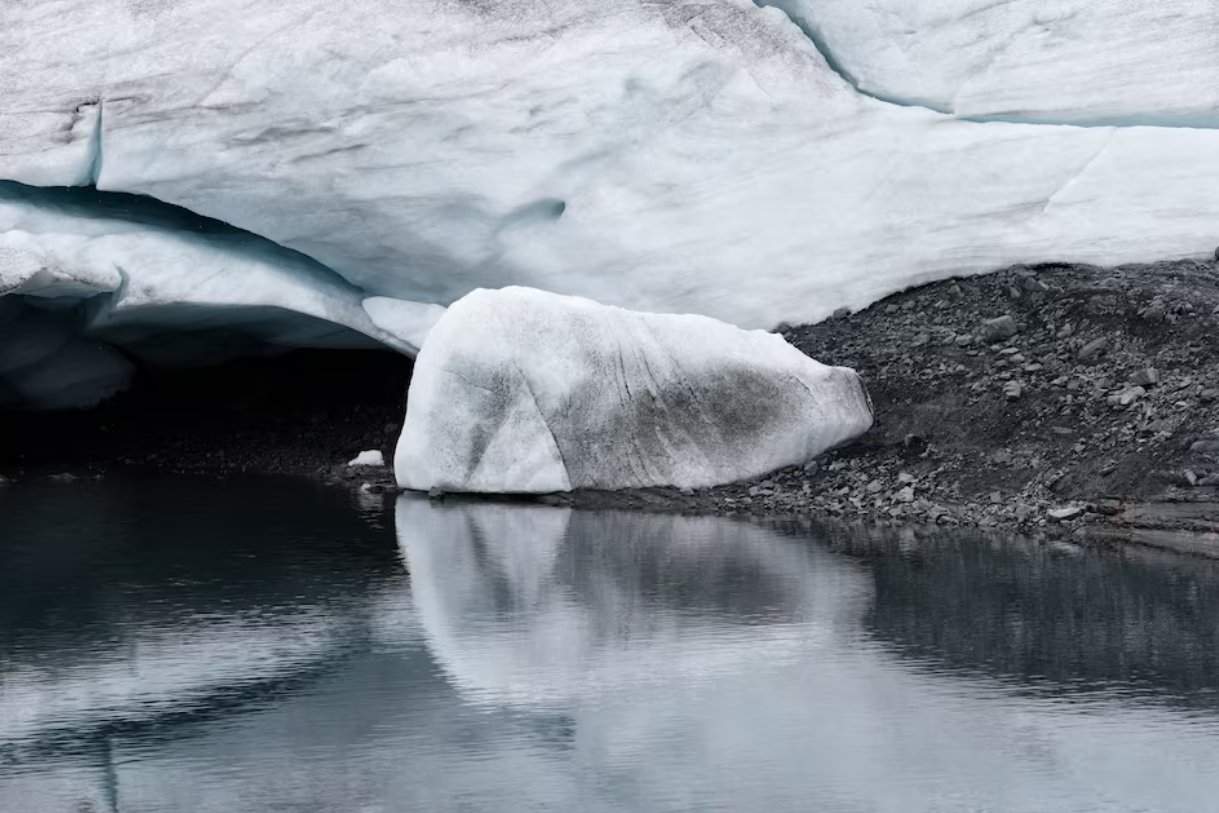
[(707, 156)]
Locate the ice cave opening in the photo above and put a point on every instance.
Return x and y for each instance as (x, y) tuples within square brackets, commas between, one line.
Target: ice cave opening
[(287, 411), (131, 329)]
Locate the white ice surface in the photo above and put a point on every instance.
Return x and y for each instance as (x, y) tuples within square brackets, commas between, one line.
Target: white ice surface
[(409, 322), (166, 275), (1118, 61), (693, 155), (518, 390)]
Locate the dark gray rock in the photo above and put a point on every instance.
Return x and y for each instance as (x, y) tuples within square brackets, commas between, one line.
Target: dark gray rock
[(1092, 350), (1145, 378), (998, 329)]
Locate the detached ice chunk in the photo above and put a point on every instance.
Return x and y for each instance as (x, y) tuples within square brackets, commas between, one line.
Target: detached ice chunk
[(521, 391), (372, 458)]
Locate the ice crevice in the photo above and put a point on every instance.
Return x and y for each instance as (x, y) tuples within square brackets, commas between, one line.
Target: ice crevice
[(800, 12)]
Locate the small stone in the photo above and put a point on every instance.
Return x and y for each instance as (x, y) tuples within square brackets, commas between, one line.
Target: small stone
[(1129, 396), (905, 478), (811, 467), (1092, 350), (841, 313), (1154, 312), (1012, 390), (687, 492), (891, 308), (1066, 332), (1205, 447), (1034, 285), (1190, 477), (1146, 378), (754, 491), (1208, 396), (874, 487), (1065, 514), (964, 340), (920, 340), (996, 498), (905, 495), (998, 329), (435, 493)]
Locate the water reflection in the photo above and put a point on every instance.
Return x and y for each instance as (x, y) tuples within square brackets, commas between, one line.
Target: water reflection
[(543, 658), (1047, 615), (546, 606)]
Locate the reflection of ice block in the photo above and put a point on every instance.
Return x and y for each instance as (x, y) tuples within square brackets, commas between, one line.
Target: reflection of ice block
[(539, 606)]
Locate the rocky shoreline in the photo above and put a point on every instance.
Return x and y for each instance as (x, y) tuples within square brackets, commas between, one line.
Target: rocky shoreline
[(1058, 399)]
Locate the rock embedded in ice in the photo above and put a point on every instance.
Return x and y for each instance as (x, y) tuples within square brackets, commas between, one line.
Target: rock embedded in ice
[(372, 458), (522, 391)]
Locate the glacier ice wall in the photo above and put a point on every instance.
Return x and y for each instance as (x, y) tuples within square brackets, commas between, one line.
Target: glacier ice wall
[(1058, 61), (689, 155), (87, 273)]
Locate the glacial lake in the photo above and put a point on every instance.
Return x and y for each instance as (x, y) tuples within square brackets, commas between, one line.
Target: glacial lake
[(258, 645)]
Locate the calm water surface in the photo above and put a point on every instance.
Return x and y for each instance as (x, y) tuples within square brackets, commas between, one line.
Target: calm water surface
[(175, 645)]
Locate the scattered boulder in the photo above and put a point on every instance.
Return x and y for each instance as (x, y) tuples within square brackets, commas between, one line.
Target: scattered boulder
[(1145, 378), (998, 329), (1091, 351)]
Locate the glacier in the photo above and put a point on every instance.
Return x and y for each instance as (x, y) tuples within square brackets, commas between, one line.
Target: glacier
[(519, 390), (703, 156), (94, 279)]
